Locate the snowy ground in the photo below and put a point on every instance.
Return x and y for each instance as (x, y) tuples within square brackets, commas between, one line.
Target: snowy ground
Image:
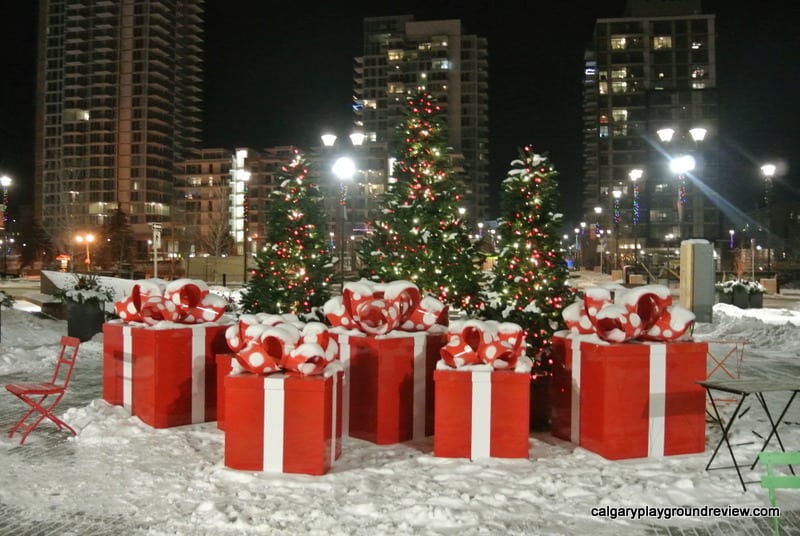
[(173, 481)]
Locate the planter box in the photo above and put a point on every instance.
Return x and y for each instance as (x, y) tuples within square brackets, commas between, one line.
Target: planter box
[(741, 298), (85, 320), (629, 400)]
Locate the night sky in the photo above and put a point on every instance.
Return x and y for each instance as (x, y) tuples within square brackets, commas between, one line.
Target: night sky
[(278, 74)]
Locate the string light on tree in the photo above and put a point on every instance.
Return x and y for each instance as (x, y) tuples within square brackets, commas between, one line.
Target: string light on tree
[(420, 234), (294, 267), (529, 284)]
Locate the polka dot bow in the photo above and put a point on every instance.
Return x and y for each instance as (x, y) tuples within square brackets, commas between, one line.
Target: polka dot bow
[(185, 301), (645, 312), (476, 342), (267, 343), (376, 309)]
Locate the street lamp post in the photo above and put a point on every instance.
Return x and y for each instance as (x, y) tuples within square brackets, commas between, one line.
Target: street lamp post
[(681, 165), (617, 195), (86, 239), (245, 224), (769, 171), (598, 234), (5, 182), (668, 240), (636, 174), (344, 169)]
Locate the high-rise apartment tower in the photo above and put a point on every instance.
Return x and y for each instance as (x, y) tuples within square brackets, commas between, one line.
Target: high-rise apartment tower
[(648, 73), (400, 55), (119, 95)]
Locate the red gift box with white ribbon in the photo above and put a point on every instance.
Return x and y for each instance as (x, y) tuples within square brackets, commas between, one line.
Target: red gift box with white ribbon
[(482, 392), (158, 360), (389, 385), (284, 423), (166, 377), (629, 400), (481, 414), (389, 338)]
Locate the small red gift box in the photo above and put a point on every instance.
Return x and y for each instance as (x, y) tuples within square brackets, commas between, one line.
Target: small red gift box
[(283, 423), (166, 377), (629, 400), (481, 414), (224, 367), (389, 384)]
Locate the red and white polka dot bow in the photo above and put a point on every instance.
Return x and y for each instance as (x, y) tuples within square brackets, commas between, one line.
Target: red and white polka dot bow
[(475, 342), (377, 309), (273, 343), (645, 312), (185, 301)]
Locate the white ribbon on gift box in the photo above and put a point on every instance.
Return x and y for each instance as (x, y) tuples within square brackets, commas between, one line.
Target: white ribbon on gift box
[(344, 353), (273, 425), (575, 406), (480, 439), (198, 361), (419, 386), (657, 390), (127, 368)]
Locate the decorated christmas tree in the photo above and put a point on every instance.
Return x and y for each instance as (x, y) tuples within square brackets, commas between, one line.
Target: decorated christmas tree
[(294, 269), (529, 286), (418, 233)]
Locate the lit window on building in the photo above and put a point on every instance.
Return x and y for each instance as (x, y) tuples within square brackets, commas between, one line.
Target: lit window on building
[(662, 42)]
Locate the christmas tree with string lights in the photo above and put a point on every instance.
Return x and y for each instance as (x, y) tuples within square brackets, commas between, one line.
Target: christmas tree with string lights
[(417, 233), (529, 286), (294, 268)]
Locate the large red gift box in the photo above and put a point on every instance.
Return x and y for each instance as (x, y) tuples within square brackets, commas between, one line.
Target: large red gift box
[(224, 367), (283, 423), (389, 384), (629, 400), (481, 414), (166, 377)]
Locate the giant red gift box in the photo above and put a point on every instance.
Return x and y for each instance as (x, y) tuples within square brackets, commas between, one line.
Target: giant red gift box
[(166, 377), (481, 414), (283, 423), (389, 384), (224, 367), (629, 400)]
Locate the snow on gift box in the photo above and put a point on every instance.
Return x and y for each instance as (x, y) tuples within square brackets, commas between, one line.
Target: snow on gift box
[(482, 392), (389, 340), (625, 373), (283, 408), (158, 359)]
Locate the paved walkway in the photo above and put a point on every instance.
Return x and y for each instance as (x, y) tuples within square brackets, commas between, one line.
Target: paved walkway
[(51, 444)]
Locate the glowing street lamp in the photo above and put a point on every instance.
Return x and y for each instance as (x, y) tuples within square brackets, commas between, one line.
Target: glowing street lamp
[(86, 239), (769, 171), (681, 165), (343, 169)]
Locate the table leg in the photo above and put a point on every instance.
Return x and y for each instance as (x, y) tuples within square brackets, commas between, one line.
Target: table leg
[(725, 437), (774, 425)]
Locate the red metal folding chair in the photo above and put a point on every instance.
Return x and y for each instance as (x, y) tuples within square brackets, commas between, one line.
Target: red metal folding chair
[(44, 397)]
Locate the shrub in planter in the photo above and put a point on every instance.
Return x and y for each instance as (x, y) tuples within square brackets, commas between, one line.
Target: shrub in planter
[(85, 301)]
